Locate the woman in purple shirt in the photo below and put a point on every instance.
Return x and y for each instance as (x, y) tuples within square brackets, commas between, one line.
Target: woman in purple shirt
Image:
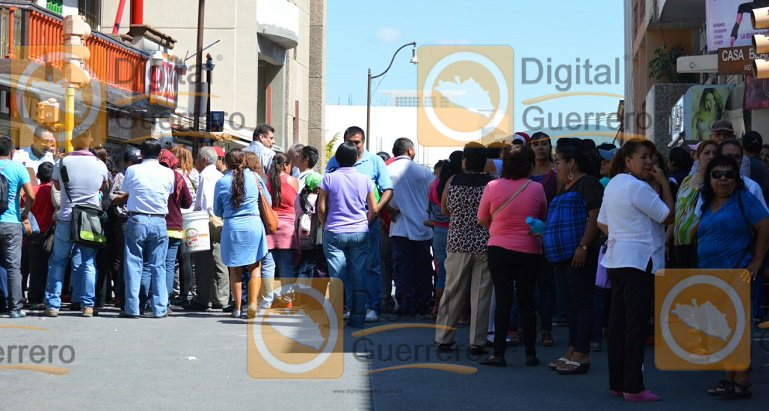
[(346, 206)]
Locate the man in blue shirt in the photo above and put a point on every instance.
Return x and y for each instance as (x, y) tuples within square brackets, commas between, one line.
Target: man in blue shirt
[(264, 138), (374, 167), (10, 224)]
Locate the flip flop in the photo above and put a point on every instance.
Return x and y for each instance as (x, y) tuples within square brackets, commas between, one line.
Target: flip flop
[(582, 368)]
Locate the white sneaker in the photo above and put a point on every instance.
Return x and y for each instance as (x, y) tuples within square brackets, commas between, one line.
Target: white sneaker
[(371, 316), (346, 315)]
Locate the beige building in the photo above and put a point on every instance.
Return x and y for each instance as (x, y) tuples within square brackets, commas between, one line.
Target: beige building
[(269, 61)]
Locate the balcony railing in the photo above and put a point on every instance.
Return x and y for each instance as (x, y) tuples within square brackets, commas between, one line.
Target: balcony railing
[(111, 62)]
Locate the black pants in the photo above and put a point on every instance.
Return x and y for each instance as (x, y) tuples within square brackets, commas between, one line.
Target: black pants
[(38, 267), (579, 301), (509, 267), (685, 256), (631, 295), (118, 242), (412, 269), (547, 297)]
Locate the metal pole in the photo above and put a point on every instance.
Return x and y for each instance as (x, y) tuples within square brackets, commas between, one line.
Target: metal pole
[(208, 100), (368, 112), (69, 119), (199, 68)]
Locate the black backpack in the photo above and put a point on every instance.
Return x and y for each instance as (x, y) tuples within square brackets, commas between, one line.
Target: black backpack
[(4, 189)]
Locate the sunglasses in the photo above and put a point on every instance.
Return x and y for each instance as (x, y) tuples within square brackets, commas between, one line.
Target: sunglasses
[(717, 174)]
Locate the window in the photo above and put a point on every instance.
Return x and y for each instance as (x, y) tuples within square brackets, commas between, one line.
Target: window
[(91, 9), (406, 101)]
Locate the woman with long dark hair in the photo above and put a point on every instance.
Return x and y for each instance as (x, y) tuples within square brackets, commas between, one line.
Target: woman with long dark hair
[(729, 214), (570, 243), (633, 216), (243, 237), (283, 188)]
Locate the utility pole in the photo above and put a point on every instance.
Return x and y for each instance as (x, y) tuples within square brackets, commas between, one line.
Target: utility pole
[(199, 77)]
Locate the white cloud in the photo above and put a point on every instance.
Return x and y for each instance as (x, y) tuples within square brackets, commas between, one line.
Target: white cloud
[(388, 34)]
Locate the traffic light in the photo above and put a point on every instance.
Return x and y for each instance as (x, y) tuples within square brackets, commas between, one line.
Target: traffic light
[(48, 111), (76, 30)]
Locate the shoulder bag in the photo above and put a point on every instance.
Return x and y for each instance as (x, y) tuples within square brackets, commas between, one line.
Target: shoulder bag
[(88, 221), (267, 214)]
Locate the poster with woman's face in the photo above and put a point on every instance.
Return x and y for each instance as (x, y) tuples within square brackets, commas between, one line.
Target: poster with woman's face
[(703, 105)]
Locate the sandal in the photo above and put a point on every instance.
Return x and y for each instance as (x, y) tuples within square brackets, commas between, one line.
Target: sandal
[(731, 393), (579, 368), (554, 366), (720, 389), (446, 347)]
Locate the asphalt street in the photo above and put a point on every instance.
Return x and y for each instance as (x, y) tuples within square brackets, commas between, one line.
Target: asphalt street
[(199, 361)]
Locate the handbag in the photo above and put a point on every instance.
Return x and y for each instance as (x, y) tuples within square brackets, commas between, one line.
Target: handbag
[(602, 274), (510, 200), (88, 221), (267, 214)]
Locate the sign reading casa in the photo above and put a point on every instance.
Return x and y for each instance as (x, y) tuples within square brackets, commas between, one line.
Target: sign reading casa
[(737, 60)]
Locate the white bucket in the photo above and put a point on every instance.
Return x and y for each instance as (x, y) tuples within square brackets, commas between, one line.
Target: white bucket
[(196, 234)]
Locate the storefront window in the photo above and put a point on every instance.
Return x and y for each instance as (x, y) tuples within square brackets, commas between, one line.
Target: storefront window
[(91, 9)]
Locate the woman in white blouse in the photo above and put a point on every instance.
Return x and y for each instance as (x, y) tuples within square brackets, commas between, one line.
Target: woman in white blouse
[(634, 218)]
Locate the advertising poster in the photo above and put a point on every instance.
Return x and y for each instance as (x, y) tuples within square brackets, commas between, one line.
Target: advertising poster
[(703, 105), (756, 93), (728, 22)]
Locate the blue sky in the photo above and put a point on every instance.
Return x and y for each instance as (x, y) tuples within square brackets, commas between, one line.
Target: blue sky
[(364, 33)]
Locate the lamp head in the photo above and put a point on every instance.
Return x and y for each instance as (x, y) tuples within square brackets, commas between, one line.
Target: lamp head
[(414, 59)]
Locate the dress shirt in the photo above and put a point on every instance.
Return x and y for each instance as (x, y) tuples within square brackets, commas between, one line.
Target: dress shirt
[(204, 200), (148, 186), (411, 188), (265, 154)]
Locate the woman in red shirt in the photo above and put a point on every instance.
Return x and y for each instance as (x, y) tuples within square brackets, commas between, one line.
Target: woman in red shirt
[(283, 243)]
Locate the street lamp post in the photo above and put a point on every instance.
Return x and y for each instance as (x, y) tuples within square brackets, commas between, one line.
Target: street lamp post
[(370, 77)]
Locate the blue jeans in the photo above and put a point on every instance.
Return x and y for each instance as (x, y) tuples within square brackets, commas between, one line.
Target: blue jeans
[(440, 238), (170, 264), (10, 251), (83, 269), (146, 238), (374, 279), (284, 262), (268, 272), (347, 255)]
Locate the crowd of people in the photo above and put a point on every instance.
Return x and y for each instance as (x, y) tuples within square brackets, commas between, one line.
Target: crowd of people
[(503, 238)]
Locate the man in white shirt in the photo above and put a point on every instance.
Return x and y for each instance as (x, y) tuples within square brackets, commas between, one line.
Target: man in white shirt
[(41, 150), (211, 274), (147, 187), (263, 140), (410, 238)]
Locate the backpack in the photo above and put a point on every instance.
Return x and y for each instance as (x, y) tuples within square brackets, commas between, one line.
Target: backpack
[(4, 190)]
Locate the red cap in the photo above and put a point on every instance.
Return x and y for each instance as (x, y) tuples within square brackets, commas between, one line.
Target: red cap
[(219, 151), (522, 137)]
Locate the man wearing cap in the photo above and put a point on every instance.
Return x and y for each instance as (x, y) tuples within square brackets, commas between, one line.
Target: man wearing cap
[(752, 143), (722, 130)]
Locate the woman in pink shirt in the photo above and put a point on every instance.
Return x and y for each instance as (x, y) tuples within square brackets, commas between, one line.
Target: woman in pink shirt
[(514, 253)]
